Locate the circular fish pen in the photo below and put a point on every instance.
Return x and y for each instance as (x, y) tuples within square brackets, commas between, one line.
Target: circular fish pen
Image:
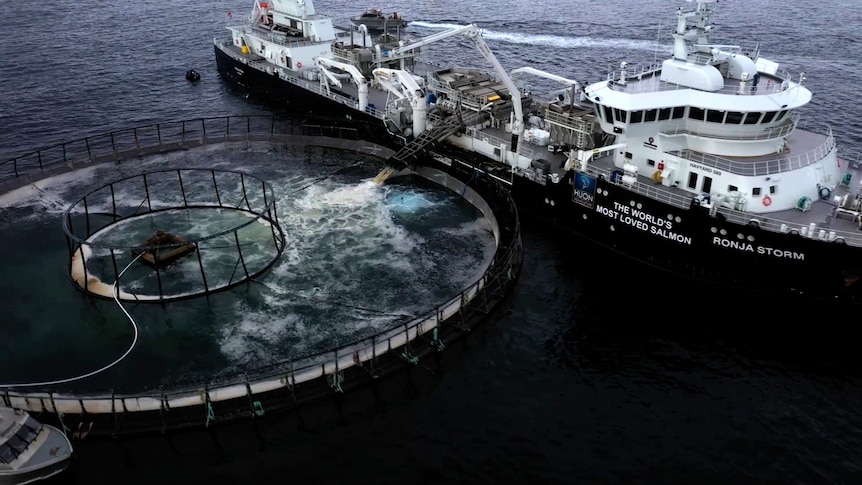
[(172, 234), (270, 379)]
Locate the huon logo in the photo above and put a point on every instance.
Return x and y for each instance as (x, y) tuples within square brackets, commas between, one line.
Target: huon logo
[(584, 191)]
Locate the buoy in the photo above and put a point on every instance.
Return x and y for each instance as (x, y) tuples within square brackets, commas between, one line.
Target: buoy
[(192, 75)]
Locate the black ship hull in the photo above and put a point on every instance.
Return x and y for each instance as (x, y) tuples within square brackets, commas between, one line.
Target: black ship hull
[(684, 242), (286, 94), (691, 243)]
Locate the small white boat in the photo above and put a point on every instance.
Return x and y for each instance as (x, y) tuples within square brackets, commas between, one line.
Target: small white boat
[(29, 450)]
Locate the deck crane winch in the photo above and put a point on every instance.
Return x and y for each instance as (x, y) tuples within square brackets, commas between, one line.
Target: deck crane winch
[(357, 77), (474, 33), (404, 86)]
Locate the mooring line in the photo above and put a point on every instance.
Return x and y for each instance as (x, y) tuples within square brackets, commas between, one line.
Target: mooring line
[(330, 301)]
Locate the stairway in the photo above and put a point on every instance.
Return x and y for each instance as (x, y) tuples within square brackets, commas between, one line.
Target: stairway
[(441, 130)]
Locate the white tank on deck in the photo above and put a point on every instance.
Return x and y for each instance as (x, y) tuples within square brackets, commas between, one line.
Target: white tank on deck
[(537, 136)]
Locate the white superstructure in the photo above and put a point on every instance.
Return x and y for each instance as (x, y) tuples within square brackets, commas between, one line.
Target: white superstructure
[(718, 121)]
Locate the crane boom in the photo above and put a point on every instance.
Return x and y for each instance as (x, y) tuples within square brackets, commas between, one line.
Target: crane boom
[(398, 82), (547, 75), (475, 34), (358, 78), (402, 84), (583, 157)]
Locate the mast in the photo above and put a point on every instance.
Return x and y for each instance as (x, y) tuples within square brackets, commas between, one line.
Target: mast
[(701, 29)]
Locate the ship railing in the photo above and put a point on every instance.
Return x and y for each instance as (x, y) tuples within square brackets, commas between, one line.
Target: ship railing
[(853, 238), (400, 344), (762, 167), (574, 121), (636, 77), (313, 86), (647, 190), (281, 39), (496, 141), (738, 132), (683, 201)]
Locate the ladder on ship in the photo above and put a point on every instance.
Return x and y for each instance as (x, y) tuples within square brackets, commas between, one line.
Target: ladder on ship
[(443, 129)]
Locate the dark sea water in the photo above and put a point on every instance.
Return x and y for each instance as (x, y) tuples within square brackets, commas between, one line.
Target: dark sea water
[(596, 372)]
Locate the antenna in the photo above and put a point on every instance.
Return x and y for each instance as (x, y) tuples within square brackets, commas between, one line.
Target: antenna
[(759, 36)]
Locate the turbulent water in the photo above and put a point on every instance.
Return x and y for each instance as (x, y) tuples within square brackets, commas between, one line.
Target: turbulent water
[(359, 258), (597, 372)]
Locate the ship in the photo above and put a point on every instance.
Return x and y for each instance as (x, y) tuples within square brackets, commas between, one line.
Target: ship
[(29, 450), (698, 165), (375, 19)]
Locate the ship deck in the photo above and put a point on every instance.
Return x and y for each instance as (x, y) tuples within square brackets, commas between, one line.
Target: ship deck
[(824, 213), (650, 82), (348, 93)]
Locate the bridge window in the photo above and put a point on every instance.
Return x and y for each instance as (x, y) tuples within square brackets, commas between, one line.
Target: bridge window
[(637, 116), (609, 114), (650, 115), (664, 114), (7, 455), (620, 115), (732, 188), (692, 180), (678, 112), (752, 118), (629, 155), (780, 115), (734, 117), (696, 114), (755, 191), (773, 189), (651, 163), (768, 116), (715, 116)]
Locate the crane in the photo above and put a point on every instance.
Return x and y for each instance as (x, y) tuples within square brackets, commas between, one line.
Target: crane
[(358, 78), (576, 86), (404, 86), (475, 34), (583, 157)]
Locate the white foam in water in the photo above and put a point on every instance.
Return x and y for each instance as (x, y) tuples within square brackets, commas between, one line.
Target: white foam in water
[(462, 273), (47, 193), (357, 211), (341, 237), (252, 338), (407, 202), (556, 41)]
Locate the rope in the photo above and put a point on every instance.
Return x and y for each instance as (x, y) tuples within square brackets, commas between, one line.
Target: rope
[(330, 301), (322, 178), (464, 190), (116, 294), (234, 271)]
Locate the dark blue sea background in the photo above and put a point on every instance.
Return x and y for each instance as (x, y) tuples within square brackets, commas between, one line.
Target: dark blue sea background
[(595, 372)]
